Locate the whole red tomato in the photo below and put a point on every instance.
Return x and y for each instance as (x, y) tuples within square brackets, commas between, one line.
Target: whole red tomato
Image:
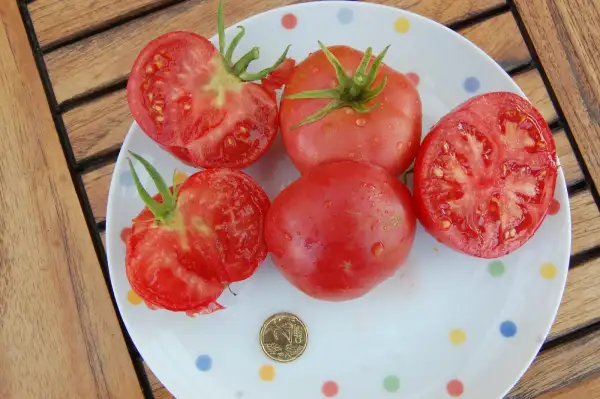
[(200, 106), (192, 241), (328, 114), (341, 229), (485, 175)]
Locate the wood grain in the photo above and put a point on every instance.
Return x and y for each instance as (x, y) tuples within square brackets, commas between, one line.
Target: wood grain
[(568, 161), (585, 389), (106, 58), (59, 335), (560, 366), (585, 222), (159, 391), (566, 35), (58, 20), (532, 84)]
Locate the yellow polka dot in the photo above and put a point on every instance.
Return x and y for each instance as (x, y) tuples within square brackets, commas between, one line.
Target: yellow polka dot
[(457, 336), (548, 271), (267, 372), (402, 25), (133, 298), (180, 177)]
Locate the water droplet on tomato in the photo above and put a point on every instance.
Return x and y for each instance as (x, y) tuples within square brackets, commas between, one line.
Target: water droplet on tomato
[(349, 111), (351, 155), (327, 204), (373, 226), (361, 122), (377, 249), (287, 236)]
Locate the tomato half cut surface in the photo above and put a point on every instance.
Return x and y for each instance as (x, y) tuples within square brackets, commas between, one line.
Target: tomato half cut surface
[(184, 251), (485, 175)]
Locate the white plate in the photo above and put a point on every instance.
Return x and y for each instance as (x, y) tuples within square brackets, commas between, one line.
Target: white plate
[(445, 324)]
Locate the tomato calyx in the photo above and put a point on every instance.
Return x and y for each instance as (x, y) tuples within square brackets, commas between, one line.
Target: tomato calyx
[(352, 91), (239, 68), (162, 211)]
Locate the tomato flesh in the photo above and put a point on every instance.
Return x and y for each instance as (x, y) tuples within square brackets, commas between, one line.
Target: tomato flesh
[(212, 238), (341, 229), (388, 136), (183, 97), (485, 175)]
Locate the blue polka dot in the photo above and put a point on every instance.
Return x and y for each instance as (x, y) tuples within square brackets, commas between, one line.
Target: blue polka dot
[(204, 362), (126, 179), (345, 16), (508, 329), (472, 84)]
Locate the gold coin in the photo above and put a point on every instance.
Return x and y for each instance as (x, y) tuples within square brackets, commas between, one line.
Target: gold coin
[(283, 337)]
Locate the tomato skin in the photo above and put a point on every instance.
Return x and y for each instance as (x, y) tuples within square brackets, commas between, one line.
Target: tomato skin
[(388, 136), (341, 229), (485, 175), (183, 97), (212, 238)]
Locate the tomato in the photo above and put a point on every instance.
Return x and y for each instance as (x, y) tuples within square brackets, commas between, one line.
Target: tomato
[(329, 115), (485, 175), (341, 229), (191, 241), (201, 107)]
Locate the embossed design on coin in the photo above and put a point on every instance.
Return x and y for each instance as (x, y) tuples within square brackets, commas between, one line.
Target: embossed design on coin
[(283, 337)]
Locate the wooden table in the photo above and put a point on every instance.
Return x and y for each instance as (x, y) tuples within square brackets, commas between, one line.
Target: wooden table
[(63, 117)]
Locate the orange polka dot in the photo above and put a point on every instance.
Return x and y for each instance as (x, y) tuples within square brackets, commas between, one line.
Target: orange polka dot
[(133, 298), (266, 372), (330, 389), (455, 388), (289, 21)]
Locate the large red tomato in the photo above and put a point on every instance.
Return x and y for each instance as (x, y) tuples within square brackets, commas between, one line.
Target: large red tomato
[(485, 175), (200, 106), (190, 242), (341, 229), (328, 114)]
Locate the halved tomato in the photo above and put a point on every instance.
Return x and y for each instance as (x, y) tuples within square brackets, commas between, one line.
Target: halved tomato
[(485, 175)]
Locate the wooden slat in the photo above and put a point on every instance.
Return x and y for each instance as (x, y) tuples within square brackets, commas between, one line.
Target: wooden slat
[(559, 367), (58, 20), (533, 85), (59, 335), (580, 305), (587, 388), (566, 35), (568, 161), (106, 58), (159, 391), (96, 185), (585, 222)]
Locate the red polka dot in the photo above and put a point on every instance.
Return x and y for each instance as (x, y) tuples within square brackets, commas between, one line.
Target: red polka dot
[(125, 234), (554, 207), (413, 77), (455, 388), (330, 389), (289, 21)]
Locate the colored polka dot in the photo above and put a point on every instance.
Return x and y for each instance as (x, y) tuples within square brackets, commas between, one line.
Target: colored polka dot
[(125, 234), (554, 207), (496, 268), (455, 388), (345, 16), (133, 298), (548, 271), (289, 21), (330, 389), (204, 363), (414, 78), (457, 336), (266, 372), (126, 179), (402, 25), (508, 329), (391, 383), (180, 177), (472, 84)]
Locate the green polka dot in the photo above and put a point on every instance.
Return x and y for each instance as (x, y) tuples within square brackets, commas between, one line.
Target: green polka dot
[(496, 268), (391, 383)]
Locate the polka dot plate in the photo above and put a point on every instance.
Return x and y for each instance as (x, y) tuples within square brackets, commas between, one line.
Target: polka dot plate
[(445, 326)]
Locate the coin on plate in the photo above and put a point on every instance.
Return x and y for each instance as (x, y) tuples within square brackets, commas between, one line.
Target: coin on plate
[(283, 337)]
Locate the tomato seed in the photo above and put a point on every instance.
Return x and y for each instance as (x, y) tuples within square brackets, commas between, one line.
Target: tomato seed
[(160, 118), (149, 69), (377, 249), (187, 107), (438, 172), (445, 224)]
